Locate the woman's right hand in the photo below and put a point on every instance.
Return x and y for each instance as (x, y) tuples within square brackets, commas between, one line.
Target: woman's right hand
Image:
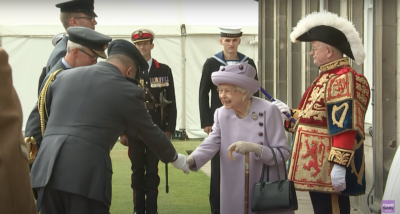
[(243, 147)]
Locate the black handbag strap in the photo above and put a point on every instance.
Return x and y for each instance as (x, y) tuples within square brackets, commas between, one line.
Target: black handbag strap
[(283, 161), (276, 165)]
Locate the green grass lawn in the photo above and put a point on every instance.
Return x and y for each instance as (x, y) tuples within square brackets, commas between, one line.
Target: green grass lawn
[(188, 194)]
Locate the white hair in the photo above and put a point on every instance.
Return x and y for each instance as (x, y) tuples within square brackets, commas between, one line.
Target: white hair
[(72, 45), (244, 91)]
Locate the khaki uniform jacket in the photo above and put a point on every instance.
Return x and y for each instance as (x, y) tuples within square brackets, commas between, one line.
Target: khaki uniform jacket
[(15, 187)]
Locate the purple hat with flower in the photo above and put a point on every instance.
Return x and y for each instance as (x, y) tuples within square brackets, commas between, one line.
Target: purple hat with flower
[(241, 75)]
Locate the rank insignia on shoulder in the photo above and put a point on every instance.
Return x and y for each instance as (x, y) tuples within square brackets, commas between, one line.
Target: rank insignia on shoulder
[(158, 82)]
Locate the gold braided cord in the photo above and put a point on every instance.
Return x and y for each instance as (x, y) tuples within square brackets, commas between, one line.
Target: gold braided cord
[(42, 107)]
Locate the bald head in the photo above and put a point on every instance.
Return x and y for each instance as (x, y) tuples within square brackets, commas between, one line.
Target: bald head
[(125, 64)]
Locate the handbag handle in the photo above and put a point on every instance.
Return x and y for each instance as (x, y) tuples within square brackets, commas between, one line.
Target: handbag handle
[(276, 165), (263, 170)]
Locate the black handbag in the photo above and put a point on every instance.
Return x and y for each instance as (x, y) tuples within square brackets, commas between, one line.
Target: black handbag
[(274, 196)]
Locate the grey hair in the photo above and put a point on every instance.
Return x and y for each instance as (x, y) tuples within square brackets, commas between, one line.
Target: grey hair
[(72, 45), (243, 90)]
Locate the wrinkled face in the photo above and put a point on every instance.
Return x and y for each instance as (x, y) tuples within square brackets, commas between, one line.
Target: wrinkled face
[(320, 52), (230, 44), (84, 20), (84, 57), (230, 96), (144, 48)]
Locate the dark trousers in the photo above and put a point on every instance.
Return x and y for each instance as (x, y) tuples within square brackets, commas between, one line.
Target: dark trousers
[(215, 184), (322, 203), (145, 179), (60, 202)]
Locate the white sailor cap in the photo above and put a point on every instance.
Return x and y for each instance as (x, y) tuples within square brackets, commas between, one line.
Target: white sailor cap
[(231, 31)]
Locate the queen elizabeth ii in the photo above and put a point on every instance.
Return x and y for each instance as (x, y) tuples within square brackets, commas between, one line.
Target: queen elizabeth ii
[(244, 124)]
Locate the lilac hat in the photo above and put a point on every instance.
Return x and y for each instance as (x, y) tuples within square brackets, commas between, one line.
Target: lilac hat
[(241, 75)]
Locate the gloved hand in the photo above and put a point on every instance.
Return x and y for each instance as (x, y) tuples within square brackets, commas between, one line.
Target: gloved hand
[(242, 147), (338, 176), (283, 108), (190, 161), (181, 163)]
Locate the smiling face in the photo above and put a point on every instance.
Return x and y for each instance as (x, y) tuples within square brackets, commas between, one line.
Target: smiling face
[(230, 96), (145, 48)]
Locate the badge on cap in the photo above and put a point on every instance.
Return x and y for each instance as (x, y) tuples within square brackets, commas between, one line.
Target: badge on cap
[(141, 33), (158, 82)]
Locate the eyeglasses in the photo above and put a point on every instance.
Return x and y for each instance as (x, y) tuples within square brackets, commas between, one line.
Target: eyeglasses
[(227, 91), (313, 49), (86, 17), (93, 57)]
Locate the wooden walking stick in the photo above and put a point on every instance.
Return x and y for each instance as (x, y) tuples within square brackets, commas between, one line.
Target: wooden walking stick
[(246, 179), (246, 184)]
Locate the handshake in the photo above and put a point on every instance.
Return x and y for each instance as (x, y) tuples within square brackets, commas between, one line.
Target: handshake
[(183, 163)]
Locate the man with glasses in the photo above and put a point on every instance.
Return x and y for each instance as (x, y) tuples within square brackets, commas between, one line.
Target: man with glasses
[(327, 149), (230, 40), (73, 13), (84, 47)]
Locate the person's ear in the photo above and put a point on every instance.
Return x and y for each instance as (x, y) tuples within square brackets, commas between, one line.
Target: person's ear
[(72, 22), (75, 52), (221, 41), (129, 72), (330, 51)]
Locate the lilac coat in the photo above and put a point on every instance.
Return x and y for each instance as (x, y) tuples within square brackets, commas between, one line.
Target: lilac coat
[(264, 128)]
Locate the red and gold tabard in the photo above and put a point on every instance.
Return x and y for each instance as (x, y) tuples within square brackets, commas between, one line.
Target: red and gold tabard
[(330, 129)]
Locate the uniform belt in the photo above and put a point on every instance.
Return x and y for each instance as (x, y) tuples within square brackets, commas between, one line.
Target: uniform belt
[(149, 106)]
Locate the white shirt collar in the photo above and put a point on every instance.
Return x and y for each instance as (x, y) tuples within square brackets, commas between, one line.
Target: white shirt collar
[(65, 63), (150, 62)]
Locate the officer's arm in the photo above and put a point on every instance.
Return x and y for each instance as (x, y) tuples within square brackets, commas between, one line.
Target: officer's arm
[(205, 87), (141, 123), (251, 62), (33, 128), (171, 108)]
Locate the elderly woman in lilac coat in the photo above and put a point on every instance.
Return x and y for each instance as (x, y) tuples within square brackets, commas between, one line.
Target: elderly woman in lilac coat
[(244, 124)]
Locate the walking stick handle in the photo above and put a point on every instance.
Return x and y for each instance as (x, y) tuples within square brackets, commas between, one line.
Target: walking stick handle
[(246, 184)]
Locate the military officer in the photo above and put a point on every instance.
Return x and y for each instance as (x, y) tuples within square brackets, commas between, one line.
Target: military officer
[(84, 47), (230, 40), (16, 195), (161, 105), (328, 151), (73, 13), (88, 108)]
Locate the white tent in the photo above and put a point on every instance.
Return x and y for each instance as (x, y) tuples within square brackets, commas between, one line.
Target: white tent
[(26, 29)]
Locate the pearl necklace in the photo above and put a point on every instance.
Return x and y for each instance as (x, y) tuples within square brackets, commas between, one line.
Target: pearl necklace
[(247, 110)]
